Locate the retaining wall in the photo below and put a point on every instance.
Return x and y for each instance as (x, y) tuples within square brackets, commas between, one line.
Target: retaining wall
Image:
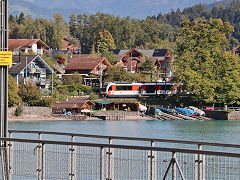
[(36, 111), (223, 115)]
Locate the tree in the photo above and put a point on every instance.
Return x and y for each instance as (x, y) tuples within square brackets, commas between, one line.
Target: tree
[(116, 73), (21, 18), (29, 93), (202, 63), (13, 97), (105, 42), (73, 79), (147, 65)]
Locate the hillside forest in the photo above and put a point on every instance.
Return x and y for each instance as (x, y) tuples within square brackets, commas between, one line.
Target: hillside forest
[(158, 31)]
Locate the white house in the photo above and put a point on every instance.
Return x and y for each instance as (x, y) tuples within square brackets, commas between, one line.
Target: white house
[(31, 46)]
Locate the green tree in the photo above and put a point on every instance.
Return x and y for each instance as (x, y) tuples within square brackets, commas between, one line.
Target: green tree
[(29, 93), (21, 18), (13, 97), (147, 65), (105, 42), (116, 73), (72, 79), (201, 61)]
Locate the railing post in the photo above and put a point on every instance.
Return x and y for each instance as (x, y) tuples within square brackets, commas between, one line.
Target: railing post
[(38, 149), (199, 165), (110, 162), (151, 165), (101, 167), (10, 157), (43, 162), (174, 167), (72, 162)]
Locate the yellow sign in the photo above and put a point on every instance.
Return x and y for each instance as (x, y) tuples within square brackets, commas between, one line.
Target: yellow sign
[(5, 58)]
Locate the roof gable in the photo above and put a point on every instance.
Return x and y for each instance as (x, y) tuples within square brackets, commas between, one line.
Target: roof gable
[(20, 63), (79, 63), (15, 44)]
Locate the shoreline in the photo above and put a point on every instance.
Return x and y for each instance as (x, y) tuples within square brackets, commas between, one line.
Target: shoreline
[(52, 118)]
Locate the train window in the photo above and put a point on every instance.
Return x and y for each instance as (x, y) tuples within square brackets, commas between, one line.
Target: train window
[(110, 88), (168, 87), (123, 88), (150, 89)]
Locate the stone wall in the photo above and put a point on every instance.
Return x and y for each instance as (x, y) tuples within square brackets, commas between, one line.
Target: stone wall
[(223, 115), (36, 111), (234, 115)]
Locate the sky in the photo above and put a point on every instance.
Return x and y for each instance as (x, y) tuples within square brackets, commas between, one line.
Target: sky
[(133, 8), (167, 5)]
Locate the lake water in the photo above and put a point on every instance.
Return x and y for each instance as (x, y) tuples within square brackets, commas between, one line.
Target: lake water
[(208, 131)]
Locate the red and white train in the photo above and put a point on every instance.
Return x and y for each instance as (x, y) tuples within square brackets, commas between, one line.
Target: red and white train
[(138, 89)]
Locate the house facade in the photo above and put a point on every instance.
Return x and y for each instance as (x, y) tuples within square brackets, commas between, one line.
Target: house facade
[(27, 46), (87, 67), (26, 67), (131, 59), (75, 106)]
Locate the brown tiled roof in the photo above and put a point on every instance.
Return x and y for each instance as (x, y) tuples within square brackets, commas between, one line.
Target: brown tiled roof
[(79, 63), (15, 44), (19, 63), (73, 104)]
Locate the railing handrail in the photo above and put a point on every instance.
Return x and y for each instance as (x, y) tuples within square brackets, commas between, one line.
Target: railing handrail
[(128, 138), (116, 146)]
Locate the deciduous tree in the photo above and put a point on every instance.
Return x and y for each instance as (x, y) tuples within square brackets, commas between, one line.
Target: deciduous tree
[(202, 64)]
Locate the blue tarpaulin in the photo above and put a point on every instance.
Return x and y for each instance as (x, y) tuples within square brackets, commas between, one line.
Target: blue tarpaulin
[(167, 110), (158, 111), (185, 111)]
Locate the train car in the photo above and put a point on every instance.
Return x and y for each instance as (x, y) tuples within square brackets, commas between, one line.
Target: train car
[(121, 89), (138, 89), (157, 89)]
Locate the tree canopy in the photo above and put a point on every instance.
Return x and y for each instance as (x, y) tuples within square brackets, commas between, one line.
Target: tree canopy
[(209, 73)]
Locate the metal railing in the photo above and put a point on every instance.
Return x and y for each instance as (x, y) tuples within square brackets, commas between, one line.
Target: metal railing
[(44, 159)]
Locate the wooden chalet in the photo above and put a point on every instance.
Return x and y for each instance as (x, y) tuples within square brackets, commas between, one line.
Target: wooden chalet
[(131, 59), (75, 106), (87, 66)]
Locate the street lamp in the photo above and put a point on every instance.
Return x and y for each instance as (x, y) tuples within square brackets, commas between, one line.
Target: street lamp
[(100, 66), (165, 63)]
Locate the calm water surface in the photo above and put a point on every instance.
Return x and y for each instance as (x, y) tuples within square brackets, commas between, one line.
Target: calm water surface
[(210, 131)]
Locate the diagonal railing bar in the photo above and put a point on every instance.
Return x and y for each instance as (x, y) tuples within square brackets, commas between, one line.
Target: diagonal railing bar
[(173, 161)]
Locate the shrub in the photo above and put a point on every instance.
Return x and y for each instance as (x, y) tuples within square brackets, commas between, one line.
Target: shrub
[(19, 110)]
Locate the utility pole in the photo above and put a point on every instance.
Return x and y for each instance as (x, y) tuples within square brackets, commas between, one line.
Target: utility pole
[(5, 60)]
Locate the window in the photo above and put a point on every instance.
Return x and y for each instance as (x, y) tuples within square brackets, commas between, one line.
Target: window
[(110, 88), (123, 88), (150, 89), (168, 87)]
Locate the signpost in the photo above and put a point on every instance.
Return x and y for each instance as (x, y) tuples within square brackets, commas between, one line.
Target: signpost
[(5, 60)]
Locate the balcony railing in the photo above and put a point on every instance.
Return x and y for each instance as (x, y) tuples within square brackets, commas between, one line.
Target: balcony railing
[(45, 159)]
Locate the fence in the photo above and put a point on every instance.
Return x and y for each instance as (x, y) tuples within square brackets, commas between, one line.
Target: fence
[(44, 159)]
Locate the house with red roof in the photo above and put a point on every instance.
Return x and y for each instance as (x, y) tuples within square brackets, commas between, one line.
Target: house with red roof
[(87, 66), (72, 44), (28, 46)]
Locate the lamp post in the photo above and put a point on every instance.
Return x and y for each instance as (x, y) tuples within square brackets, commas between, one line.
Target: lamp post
[(100, 67), (165, 69)]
